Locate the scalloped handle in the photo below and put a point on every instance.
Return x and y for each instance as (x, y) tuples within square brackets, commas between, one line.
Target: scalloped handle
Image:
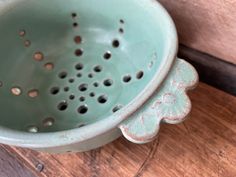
[(169, 104)]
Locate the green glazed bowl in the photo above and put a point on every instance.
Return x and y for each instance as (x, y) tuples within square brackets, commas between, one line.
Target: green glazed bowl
[(76, 75)]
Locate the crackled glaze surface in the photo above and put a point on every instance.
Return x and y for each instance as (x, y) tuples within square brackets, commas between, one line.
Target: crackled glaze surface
[(170, 104)]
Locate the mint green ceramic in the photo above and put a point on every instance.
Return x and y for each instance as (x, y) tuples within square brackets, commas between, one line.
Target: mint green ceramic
[(75, 75)]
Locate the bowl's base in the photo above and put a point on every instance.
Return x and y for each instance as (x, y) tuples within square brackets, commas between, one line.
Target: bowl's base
[(84, 146)]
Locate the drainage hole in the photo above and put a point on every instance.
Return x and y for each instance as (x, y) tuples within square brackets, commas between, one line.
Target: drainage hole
[(33, 129), (62, 106), (62, 75), (33, 93), (74, 15), (92, 94), (38, 56), (48, 122), (102, 99), (78, 52), (139, 75), (1, 84), (49, 66), (127, 78), (54, 90), (95, 84), (27, 43), (71, 80), (22, 33), (117, 108), (90, 75), (81, 125), (121, 30), (66, 89), (107, 55), (82, 99), (16, 91), (83, 87), (122, 21), (79, 66), (75, 25), (97, 68), (72, 97), (83, 109), (78, 39), (115, 43), (79, 75), (108, 82)]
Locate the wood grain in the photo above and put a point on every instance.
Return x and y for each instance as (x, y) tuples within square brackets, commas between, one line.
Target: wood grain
[(208, 26), (202, 146), (10, 166)]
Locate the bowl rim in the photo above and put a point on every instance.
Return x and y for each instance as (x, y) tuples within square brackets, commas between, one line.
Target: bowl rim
[(79, 135)]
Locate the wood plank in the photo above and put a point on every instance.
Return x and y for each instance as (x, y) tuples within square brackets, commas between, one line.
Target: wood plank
[(208, 26), (202, 146), (10, 166)]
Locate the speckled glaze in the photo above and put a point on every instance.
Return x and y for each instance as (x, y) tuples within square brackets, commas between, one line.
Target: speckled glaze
[(160, 96), (170, 105)]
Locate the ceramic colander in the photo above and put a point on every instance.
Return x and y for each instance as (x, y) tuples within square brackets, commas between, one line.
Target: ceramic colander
[(75, 74)]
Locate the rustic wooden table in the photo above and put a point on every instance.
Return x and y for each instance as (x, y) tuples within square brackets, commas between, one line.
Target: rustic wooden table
[(203, 146)]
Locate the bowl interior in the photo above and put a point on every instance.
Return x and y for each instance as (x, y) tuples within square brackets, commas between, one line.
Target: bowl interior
[(67, 64)]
